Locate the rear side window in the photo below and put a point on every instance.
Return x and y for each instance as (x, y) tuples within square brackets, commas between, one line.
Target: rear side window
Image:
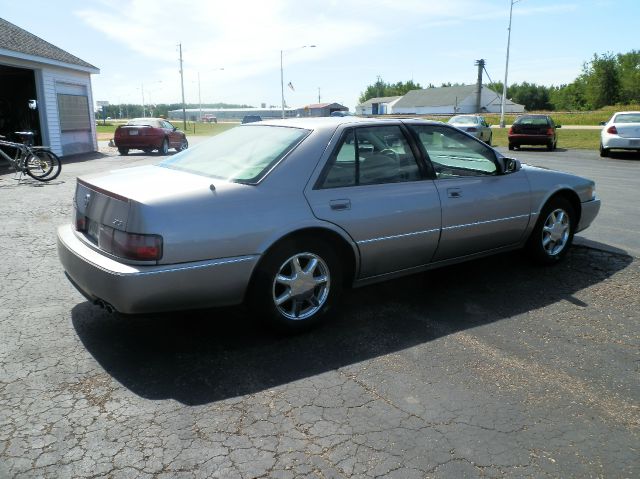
[(532, 121), (371, 156), (627, 118)]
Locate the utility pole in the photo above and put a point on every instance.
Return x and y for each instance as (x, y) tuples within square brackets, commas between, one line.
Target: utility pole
[(199, 98), (480, 64), (318, 94), (142, 89), (184, 112), (506, 68)]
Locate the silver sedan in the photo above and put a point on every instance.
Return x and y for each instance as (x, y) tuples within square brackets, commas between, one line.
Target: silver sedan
[(286, 214), (474, 125)]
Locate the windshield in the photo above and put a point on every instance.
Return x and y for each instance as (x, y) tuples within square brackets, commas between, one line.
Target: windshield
[(243, 154), (463, 120)]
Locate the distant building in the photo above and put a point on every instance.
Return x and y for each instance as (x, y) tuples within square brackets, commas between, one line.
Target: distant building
[(377, 106), (231, 114), (452, 100), (60, 83), (321, 109)]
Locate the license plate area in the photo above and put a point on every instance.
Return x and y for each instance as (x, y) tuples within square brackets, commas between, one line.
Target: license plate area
[(133, 132)]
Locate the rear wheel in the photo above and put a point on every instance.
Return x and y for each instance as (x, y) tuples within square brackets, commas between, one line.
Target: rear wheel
[(604, 152), (164, 148), (551, 146), (552, 236), (43, 165), (490, 138), (296, 284), (511, 146), (123, 151), (148, 150)]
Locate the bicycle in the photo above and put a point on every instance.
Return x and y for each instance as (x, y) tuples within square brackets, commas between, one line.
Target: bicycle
[(38, 162)]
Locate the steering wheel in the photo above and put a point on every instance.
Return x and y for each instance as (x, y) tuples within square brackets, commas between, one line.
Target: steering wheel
[(390, 153)]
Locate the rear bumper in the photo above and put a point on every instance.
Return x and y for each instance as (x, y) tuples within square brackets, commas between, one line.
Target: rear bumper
[(621, 143), (590, 210), (145, 289), (530, 139), (138, 142)]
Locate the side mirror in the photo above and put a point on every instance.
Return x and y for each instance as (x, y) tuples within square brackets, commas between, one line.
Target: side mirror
[(33, 104), (602, 123), (175, 128), (509, 165), (558, 126)]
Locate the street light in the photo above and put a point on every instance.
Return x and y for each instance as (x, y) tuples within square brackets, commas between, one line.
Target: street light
[(282, 73), (506, 68)]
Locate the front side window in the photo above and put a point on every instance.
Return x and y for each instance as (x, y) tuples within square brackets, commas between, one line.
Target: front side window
[(243, 154), (371, 156), (454, 154)]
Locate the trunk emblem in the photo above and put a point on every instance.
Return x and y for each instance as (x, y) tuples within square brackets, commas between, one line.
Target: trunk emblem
[(117, 223)]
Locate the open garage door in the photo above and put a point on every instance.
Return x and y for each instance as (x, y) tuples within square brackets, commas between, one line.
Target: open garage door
[(17, 92)]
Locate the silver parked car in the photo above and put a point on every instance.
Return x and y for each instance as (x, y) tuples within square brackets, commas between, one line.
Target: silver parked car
[(621, 132), (285, 214), (474, 125)]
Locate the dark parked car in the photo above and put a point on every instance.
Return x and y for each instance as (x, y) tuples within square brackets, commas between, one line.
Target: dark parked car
[(533, 130), (148, 134), (341, 113), (251, 118)]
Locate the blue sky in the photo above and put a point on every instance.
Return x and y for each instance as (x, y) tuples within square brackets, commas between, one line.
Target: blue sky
[(134, 43)]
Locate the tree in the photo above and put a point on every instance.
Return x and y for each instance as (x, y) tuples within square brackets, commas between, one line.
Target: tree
[(381, 89), (602, 81), (629, 69)]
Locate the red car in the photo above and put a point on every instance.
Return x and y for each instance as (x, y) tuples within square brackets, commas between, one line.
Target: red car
[(148, 134), (533, 130)]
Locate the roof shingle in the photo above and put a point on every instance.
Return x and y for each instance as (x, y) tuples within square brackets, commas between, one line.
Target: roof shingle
[(16, 39)]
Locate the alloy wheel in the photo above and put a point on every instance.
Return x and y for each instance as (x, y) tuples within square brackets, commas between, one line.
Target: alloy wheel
[(555, 232)]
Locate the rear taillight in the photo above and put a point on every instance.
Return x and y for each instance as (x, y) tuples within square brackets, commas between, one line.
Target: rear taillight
[(550, 131), (80, 221), (137, 246), (612, 130), (511, 130)]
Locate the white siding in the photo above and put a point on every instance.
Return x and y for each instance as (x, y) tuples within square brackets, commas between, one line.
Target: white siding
[(49, 81)]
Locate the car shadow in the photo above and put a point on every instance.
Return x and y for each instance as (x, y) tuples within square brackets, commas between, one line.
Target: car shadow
[(624, 155), (542, 149), (203, 356)]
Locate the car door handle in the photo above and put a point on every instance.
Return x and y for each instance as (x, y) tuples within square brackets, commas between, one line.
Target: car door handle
[(454, 192), (340, 205)]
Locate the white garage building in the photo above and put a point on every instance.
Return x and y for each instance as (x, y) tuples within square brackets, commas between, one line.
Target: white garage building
[(62, 115)]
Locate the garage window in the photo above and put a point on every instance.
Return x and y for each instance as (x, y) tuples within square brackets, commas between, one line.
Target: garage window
[(74, 112)]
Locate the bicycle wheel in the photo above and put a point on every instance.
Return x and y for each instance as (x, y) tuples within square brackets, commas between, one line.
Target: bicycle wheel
[(43, 165)]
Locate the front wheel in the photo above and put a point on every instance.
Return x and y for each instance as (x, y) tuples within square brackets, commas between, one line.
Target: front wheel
[(184, 144), (296, 284), (552, 236), (43, 165)]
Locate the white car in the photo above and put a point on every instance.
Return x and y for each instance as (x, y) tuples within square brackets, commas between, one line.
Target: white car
[(474, 125), (621, 132)]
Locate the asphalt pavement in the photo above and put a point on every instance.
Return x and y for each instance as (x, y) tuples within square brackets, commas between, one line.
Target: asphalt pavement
[(493, 368)]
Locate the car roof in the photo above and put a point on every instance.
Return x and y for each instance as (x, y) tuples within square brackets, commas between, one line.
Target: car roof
[(331, 122)]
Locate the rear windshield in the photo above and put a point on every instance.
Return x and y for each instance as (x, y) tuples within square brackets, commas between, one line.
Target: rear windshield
[(144, 122), (627, 118), (463, 120), (243, 154), (532, 120)]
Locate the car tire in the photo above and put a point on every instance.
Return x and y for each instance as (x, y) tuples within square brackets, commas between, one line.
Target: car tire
[(511, 146), (552, 235), (551, 146), (490, 139), (184, 144), (148, 150), (305, 266), (164, 148), (604, 152), (123, 151)]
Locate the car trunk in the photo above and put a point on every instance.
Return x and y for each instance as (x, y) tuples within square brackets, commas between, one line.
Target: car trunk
[(628, 130), (529, 129)]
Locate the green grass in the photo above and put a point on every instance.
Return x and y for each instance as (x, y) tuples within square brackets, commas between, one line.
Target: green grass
[(581, 139)]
